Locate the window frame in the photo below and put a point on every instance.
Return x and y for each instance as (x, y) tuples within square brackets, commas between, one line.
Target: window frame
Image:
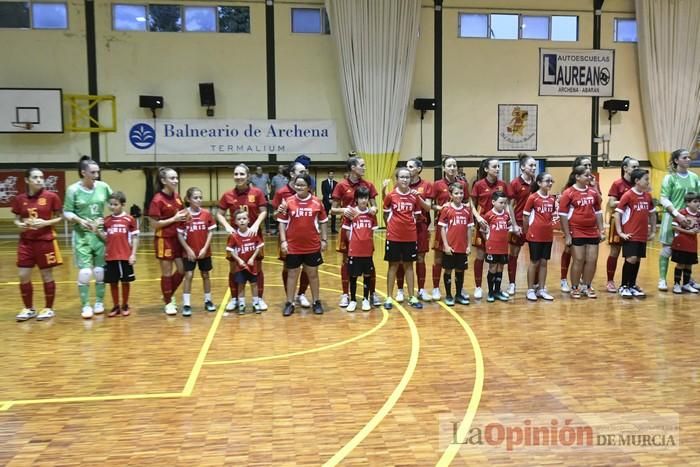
[(488, 15), (578, 22), (521, 29), (616, 20), (324, 29), (183, 9), (30, 4), (186, 7)]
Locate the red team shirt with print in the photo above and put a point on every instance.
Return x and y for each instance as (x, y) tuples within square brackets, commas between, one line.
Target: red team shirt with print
[(683, 241), (401, 223), (540, 210), (457, 222), (40, 206), (483, 190), (441, 192), (519, 192), (619, 188), (634, 209), (580, 206), (425, 190), (361, 234), (499, 226), (244, 246), (302, 221), (344, 191), (251, 199), (164, 207), (120, 231), (282, 194), (196, 231)]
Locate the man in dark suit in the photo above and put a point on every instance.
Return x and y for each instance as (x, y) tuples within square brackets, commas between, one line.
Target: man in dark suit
[(327, 187)]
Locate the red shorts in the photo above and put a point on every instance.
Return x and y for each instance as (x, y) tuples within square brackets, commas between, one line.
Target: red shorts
[(516, 240), (168, 248), (423, 237), (42, 253)]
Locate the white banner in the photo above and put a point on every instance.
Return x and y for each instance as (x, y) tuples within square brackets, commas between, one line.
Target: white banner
[(230, 137), (577, 72)]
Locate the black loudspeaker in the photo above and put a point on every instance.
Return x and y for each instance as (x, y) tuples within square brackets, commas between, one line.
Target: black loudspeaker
[(151, 102), (423, 104), (616, 105), (206, 94)]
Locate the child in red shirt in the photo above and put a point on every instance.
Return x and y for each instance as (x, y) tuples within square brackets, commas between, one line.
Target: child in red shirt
[(455, 225), (498, 224), (538, 230), (243, 248), (684, 249)]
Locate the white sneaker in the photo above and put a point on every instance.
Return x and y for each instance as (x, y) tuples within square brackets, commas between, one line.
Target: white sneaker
[(625, 292), (689, 288), (366, 305), (352, 306), (232, 304), (170, 309), (344, 301), (262, 306), (677, 289), (399, 296), (87, 312), (436, 294), (478, 293), (376, 301), (424, 296), (565, 286), (99, 308), (531, 295), (25, 314), (544, 295), (694, 284), (303, 301), (511, 289), (46, 313), (663, 286)]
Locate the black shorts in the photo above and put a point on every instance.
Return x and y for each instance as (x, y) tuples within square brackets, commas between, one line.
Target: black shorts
[(684, 257), (204, 264), (309, 259), (400, 251), (497, 259), (638, 249), (456, 261), (243, 276), (581, 241), (540, 250), (119, 271), (360, 266)]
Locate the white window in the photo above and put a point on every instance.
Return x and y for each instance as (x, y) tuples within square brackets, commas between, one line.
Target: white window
[(503, 26), (49, 16), (565, 28), (129, 17), (473, 25), (534, 27), (625, 30), (200, 19), (310, 21)]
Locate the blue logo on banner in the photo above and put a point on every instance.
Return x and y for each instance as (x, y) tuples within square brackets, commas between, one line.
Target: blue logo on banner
[(549, 68), (142, 136)]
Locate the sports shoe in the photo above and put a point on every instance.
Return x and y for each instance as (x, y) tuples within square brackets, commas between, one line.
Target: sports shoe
[(262, 305), (186, 310), (662, 285), (415, 303), (87, 313), (490, 298), (376, 301), (303, 301), (425, 296), (610, 287), (115, 311), (318, 308), (677, 289), (511, 289), (625, 292), (125, 310), (46, 313), (462, 299), (25, 314), (366, 306), (501, 296), (544, 295), (99, 308), (344, 300), (388, 305), (399, 296), (232, 304), (575, 292), (170, 309), (478, 293), (352, 306), (241, 307), (209, 306), (531, 295), (436, 294), (589, 292), (565, 286), (694, 284), (256, 308), (689, 288), (449, 301), (288, 309), (637, 291)]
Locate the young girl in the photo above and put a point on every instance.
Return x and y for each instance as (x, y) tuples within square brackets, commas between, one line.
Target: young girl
[(194, 236), (360, 248), (121, 239), (635, 223), (243, 250), (401, 206), (520, 189), (303, 237), (685, 244), (36, 212), (538, 229), (455, 225), (498, 224), (582, 223)]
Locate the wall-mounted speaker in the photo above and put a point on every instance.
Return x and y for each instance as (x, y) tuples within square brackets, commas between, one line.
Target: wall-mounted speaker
[(206, 94), (423, 103), (151, 102), (616, 105)]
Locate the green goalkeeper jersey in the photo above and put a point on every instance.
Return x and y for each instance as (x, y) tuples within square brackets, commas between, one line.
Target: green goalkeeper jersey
[(674, 187), (86, 204)]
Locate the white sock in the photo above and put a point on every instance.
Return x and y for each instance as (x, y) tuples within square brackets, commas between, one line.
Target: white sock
[(241, 300), (186, 299), (207, 297), (256, 299)]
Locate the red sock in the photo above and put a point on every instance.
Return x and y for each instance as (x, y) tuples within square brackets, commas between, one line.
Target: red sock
[(284, 280), (345, 278), (437, 271), (166, 286), (420, 273), (478, 271), (49, 293), (512, 267), (177, 280), (125, 293), (261, 280), (565, 262), (114, 290), (232, 285), (27, 292), (612, 265), (400, 274), (303, 282)]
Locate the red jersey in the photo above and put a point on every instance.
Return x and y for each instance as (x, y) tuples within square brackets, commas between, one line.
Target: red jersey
[(244, 247), (344, 191), (581, 206), (164, 207), (251, 200), (441, 192), (41, 205), (457, 222), (519, 192), (634, 209), (497, 236), (302, 221), (282, 194), (196, 230), (120, 231), (683, 241), (361, 234), (619, 188), (401, 223), (482, 191), (425, 190), (540, 211)]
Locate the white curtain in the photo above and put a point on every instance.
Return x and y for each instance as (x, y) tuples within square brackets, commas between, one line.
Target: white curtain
[(669, 69)]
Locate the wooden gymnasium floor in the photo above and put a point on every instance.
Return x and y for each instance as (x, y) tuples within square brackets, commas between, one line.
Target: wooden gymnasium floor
[(372, 388)]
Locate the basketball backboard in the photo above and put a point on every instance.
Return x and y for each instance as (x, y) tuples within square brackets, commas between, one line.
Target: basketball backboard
[(24, 110)]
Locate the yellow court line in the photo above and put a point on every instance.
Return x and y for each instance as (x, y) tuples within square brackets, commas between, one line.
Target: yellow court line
[(452, 450), (6, 405)]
